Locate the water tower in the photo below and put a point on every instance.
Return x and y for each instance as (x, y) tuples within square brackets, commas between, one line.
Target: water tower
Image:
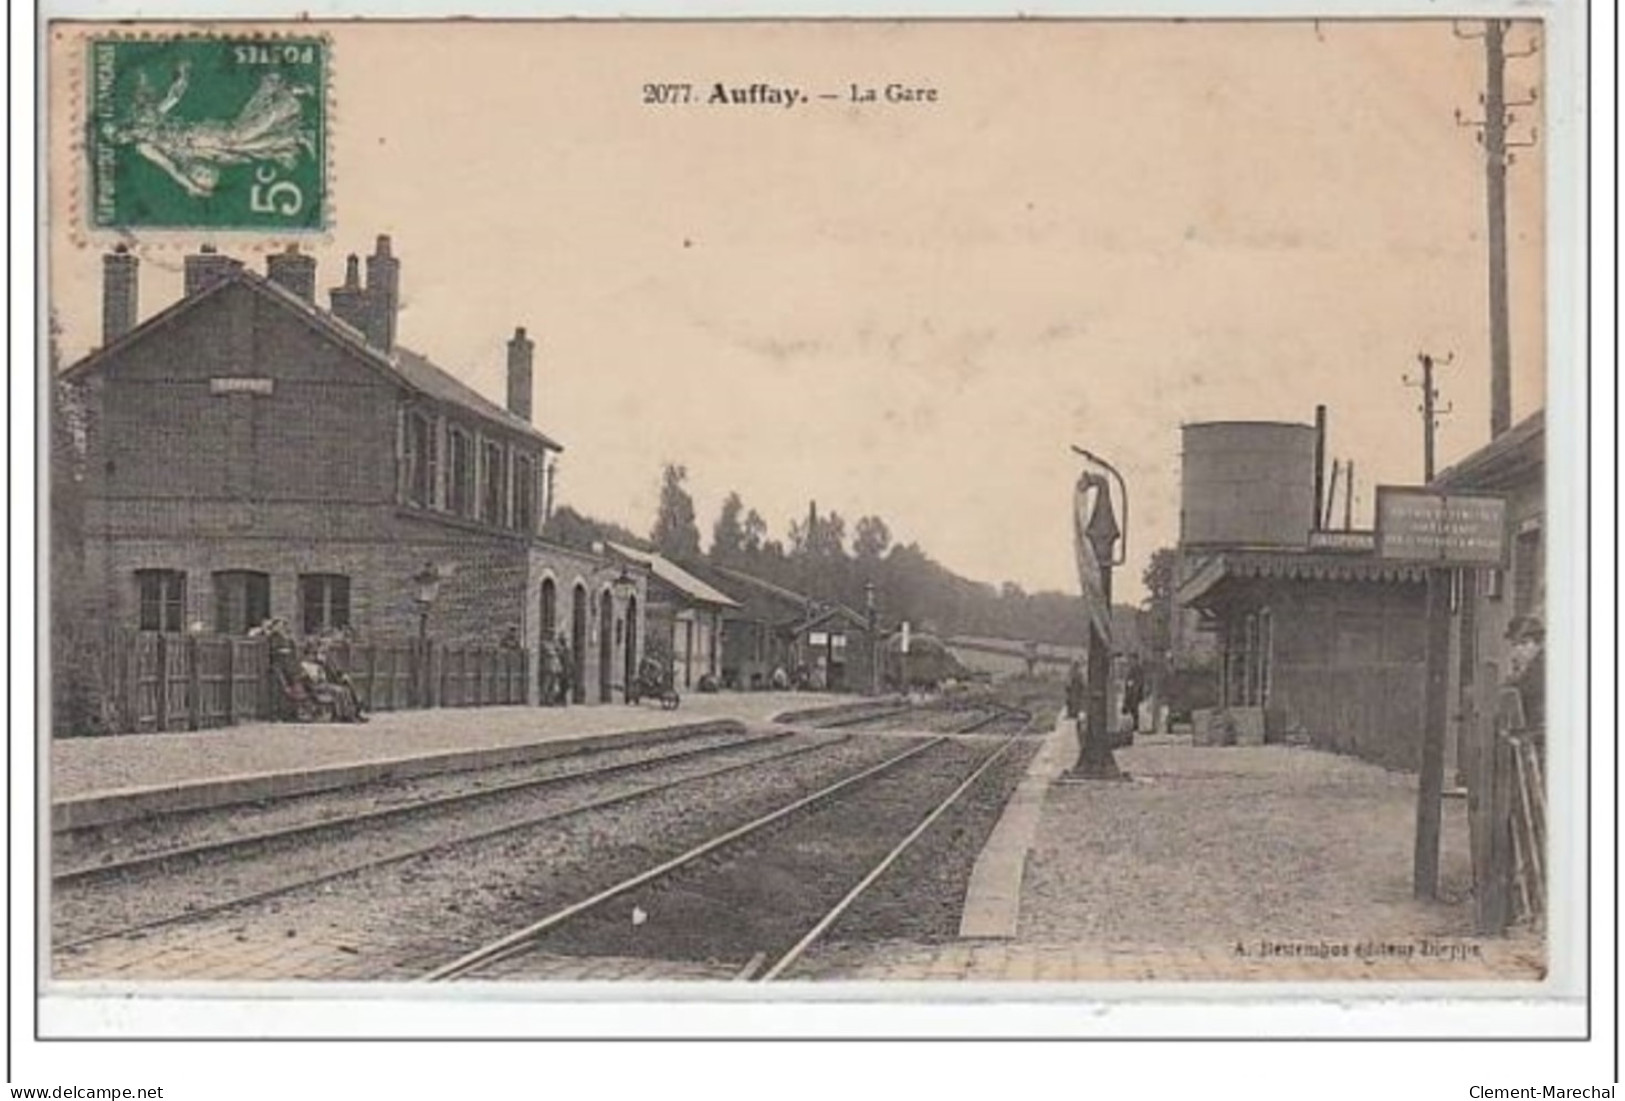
[(1247, 484)]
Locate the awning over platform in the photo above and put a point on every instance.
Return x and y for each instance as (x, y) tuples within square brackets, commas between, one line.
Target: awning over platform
[(1290, 566)]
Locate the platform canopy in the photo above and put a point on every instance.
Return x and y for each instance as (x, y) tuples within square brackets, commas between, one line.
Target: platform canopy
[(1226, 567)]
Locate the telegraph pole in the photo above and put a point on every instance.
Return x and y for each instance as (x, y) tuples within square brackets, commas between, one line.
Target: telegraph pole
[(1435, 682), (1492, 135), (1430, 410), (1495, 178)]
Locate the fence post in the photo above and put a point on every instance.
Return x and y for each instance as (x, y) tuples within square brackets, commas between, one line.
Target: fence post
[(128, 656), (161, 692), (270, 700), (194, 685), (1493, 914), (231, 681)]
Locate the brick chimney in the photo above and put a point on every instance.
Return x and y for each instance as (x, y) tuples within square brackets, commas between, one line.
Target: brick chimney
[(350, 301), (293, 271), (121, 299), (205, 268), (521, 355), (383, 295)]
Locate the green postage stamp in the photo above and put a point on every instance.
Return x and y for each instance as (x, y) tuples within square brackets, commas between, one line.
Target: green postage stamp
[(219, 133)]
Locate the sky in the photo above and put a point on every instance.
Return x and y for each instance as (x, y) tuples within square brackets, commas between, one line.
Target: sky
[(1097, 233)]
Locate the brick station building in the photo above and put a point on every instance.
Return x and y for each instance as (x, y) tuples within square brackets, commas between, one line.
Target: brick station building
[(250, 454)]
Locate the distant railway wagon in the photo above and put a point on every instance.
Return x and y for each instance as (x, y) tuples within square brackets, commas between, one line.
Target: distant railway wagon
[(928, 663)]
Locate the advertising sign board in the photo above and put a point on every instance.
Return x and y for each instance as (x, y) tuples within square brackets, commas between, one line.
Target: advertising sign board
[(1444, 529)]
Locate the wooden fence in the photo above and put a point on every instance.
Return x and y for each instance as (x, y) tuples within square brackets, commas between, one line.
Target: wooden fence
[(1504, 764), (169, 682)]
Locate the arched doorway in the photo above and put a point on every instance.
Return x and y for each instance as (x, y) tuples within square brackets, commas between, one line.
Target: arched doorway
[(578, 644), (546, 631), (630, 655), (606, 645)]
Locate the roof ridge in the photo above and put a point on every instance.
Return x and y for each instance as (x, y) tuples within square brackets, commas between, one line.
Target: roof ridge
[(480, 404), (335, 327), (695, 587)]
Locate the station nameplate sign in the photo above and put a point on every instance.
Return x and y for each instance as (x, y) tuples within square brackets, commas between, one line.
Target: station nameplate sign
[(260, 386), (1346, 542), (1449, 529)]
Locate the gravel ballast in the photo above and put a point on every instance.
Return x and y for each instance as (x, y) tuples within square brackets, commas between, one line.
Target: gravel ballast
[(403, 919), (765, 892), (88, 848), (81, 910)]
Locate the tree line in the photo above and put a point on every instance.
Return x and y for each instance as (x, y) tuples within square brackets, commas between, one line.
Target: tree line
[(824, 557)]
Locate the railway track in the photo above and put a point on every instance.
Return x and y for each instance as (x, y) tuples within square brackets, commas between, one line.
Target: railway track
[(265, 840), (304, 834), (999, 713), (713, 860), (937, 718)]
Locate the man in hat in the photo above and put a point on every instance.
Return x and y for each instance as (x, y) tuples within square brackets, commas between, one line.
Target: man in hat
[(1526, 672)]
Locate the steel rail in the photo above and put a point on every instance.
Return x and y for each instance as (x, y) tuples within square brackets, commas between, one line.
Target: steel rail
[(997, 713), (865, 717), (519, 940), (830, 918), (440, 846), (308, 830)]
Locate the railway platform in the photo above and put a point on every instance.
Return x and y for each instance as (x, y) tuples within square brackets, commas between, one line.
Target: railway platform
[(1208, 865), (101, 780)]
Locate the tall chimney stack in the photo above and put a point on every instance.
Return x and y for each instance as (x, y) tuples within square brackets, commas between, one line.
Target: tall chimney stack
[(205, 268), (293, 271), (1320, 465), (350, 301), (121, 299), (521, 358), (383, 295)]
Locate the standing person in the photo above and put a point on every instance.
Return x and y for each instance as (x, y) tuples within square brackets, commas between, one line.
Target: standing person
[(567, 670), (285, 669), (1074, 690), (1526, 674), (1133, 692), (547, 661)]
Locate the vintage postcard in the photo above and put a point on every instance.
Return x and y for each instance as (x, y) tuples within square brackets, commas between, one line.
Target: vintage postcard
[(809, 508)]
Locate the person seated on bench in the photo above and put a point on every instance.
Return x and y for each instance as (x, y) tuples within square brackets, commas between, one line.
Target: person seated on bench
[(333, 686)]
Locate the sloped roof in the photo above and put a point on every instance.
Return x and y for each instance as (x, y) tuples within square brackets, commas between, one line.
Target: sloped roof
[(423, 374), (789, 596), (809, 610), (1517, 452), (674, 575), (1294, 566), (413, 369), (823, 613)]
